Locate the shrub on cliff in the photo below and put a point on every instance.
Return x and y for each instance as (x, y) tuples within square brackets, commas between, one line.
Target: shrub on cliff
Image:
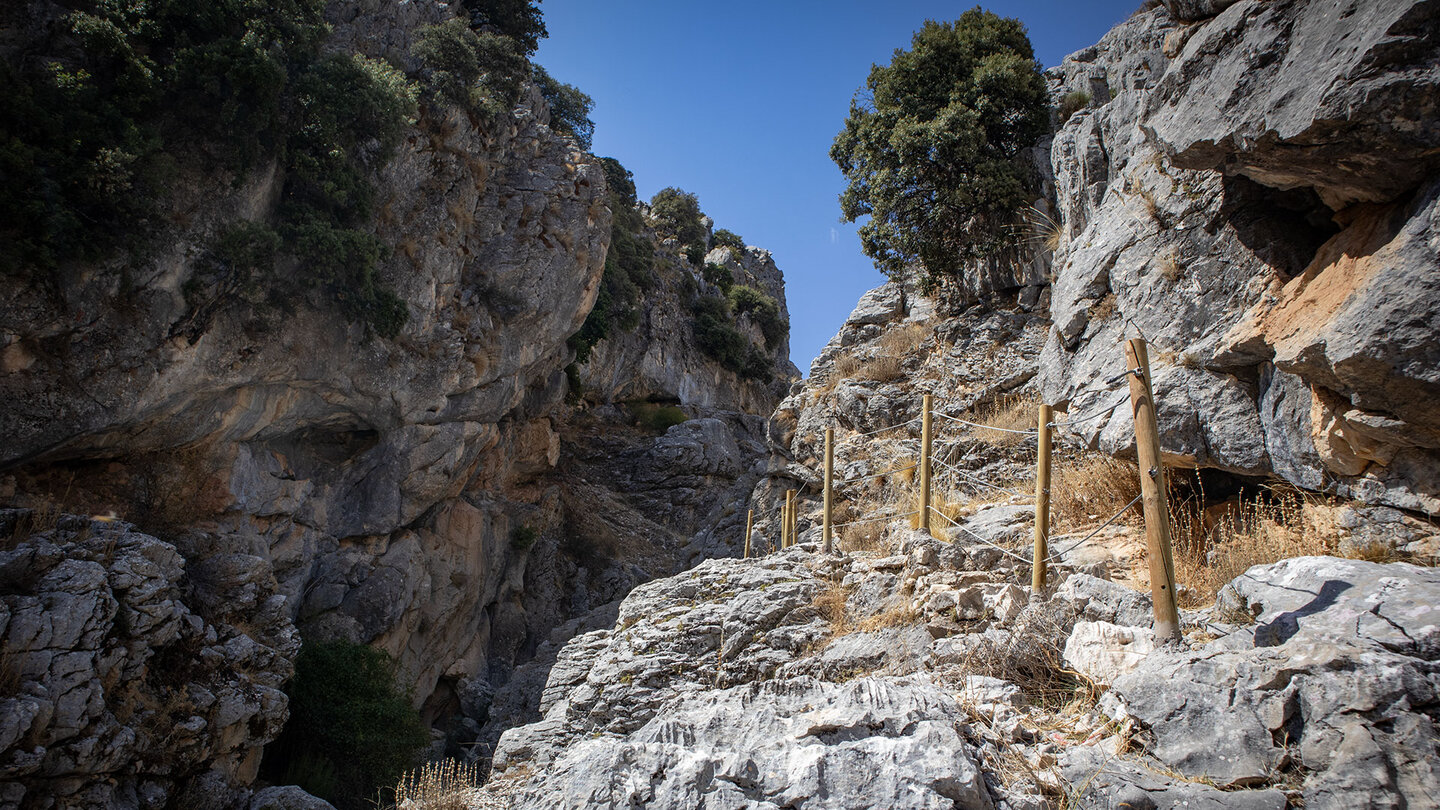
[(931, 152), (727, 239), (628, 267), (677, 213), (762, 309), (718, 339), (351, 731), (519, 20), (480, 72), (569, 108), (98, 120)]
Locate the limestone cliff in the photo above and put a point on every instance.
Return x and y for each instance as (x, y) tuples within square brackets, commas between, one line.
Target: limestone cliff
[(294, 475), (1252, 186)]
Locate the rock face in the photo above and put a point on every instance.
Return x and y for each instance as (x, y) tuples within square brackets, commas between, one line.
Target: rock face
[(134, 679), (432, 495), (1255, 192), (1338, 679), (660, 361)]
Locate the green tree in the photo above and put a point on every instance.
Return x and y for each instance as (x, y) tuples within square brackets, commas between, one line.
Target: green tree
[(931, 154), (569, 108), (727, 239), (677, 212), (518, 19), (351, 731), (479, 72)]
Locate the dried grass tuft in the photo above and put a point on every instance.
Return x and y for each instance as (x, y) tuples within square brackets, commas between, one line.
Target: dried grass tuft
[(1014, 412), (1214, 545), (444, 785), (1091, 488), (904, 339)]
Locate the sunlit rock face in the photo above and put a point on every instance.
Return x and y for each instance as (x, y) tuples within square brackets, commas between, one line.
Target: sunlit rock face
[(1253, 188)]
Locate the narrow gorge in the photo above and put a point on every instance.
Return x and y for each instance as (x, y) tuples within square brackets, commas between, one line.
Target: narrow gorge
[(379, 371)]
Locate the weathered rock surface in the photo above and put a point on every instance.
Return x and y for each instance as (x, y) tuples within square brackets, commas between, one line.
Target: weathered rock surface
[(660, 360), (130, 680), (1338, 678), (1254, 192), (871, 742)]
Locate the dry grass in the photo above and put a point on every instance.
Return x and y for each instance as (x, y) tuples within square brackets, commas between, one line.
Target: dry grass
[(831, 605), (1216, 544), (444, 785), (1170, 267), (883, 368), (1017, 412), (1032, 657), (904, 339), (1102, 310), (868, 537), (1042, 228), (1091, 488), (900, 614)]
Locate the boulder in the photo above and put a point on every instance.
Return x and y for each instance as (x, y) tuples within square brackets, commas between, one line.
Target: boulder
[(1334, 678)]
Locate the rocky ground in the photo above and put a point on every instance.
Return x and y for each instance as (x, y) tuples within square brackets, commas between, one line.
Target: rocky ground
[(930, 677)]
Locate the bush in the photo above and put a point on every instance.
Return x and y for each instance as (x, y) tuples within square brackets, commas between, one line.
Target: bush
[(762, 309), (677, 213), (523, 537), (628, 267), (719, 275), (718, 339), (657, 418), (945, 124), (87, 142), (519, 20), (727, 239), (480, 72), (351, 731), (1073, 102), (569, 108)]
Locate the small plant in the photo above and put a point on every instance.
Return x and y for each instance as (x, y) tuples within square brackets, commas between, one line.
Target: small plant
[(444, 785), (1073, 102), (523, 537), (905, 339), (1103, 309), (727, 239)]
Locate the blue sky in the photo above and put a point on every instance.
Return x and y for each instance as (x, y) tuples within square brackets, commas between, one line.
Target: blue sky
[(738, 102)]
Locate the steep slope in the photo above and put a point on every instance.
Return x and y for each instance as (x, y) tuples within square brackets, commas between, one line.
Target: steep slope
[(291, 473)]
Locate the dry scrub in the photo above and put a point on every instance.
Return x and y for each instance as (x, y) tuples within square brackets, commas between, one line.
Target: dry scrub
[(904, 339), (1091, 488), (880, 369), (1214, 545), (444, 785), (1016, 412)]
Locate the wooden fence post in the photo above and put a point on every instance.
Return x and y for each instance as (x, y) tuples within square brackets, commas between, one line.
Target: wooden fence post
[(1042, 504), (794, 516), (1152, 490), (785, 521), (789, 518), (925, 463), (749, 524), (827, 543)]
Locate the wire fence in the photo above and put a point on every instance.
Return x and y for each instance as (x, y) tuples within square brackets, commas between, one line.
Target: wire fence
[(950, 474)]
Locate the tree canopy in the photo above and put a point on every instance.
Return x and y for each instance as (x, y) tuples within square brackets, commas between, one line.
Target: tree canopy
[(931, 146)]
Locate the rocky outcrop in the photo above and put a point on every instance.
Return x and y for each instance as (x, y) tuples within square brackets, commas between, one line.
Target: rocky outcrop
[(131, 677), (1336, 682), (767, 682), (1254, 192), (659, 360)]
